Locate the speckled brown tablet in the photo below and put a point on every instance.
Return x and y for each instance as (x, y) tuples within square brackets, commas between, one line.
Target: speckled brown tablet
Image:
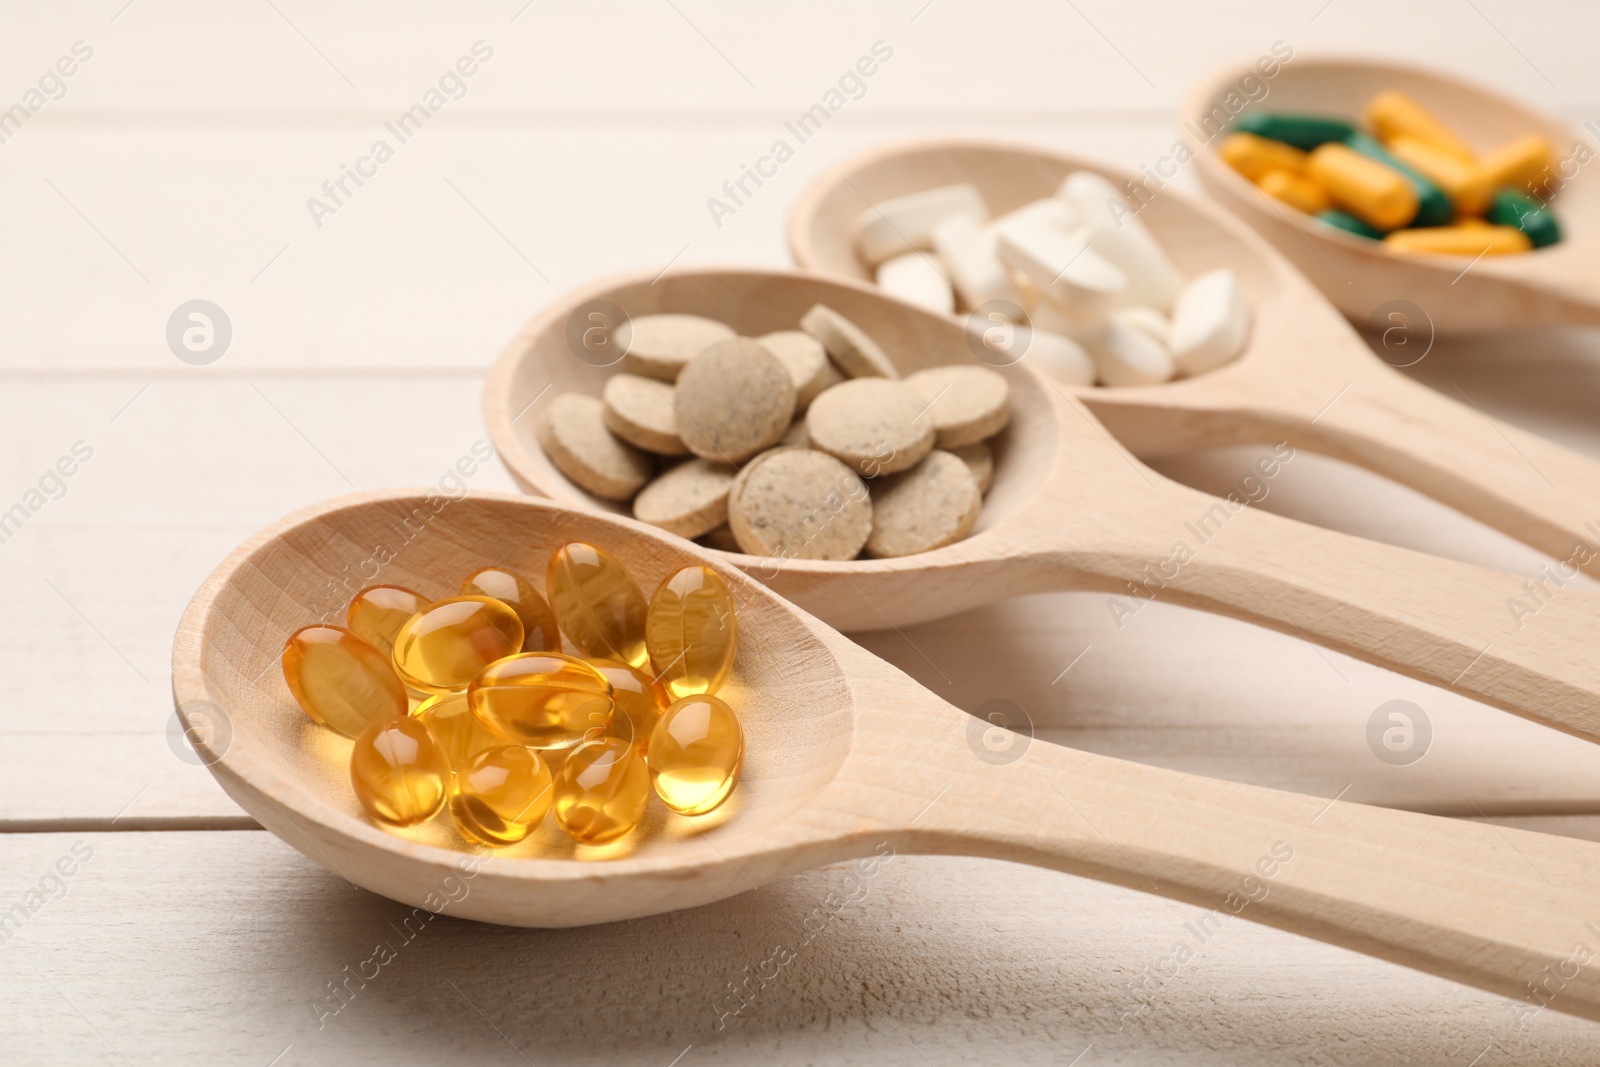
[(640, 411), (980, 461), (807, 362), (967, 404), (573, 434), (689, 500), (931, 505), (856, 354), (800, 504), (751, 464), (733, 400), (873, 424), (658, 346)]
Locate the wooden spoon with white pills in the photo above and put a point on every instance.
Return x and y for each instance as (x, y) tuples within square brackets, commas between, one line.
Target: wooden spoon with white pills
[(1071, 509), (845, 758), (1305, 375)]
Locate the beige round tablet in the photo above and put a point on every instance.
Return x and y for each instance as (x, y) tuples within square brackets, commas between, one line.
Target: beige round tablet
[(931, 505), (967, 404), (874, 424), (573, 434), (800, 504), (640, 411), (848, 344), (733, 400), (980, 461), (658, 346), (807, 362), (689, 500)]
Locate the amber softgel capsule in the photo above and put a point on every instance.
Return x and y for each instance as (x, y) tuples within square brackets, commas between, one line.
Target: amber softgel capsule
[(377, 612), (639, 701), (398, 772), (598, 604), (339, 680), (443, 648), (539, 632), (542, 699), (501, 796), (601, 791), (459, 733), (692, 632), (696, 754)]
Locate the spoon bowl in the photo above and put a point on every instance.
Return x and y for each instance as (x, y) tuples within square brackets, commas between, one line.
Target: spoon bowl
[(846, 757), (1557, 284)]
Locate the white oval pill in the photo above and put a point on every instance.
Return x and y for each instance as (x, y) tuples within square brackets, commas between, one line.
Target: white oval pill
[(1146, 319), (1049, 211), (1124, 355), (967, 250), (1060, 357), (1210, 322), (905, 223), (918, 278), (1117, 234), (1061, 265)]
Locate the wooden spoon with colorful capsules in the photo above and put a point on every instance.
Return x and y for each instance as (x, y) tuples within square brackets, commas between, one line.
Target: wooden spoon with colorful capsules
[(1305, 377), (1071, 509), (846, 757)]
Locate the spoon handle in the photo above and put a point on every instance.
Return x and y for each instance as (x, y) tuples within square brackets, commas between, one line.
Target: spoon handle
[(1508, 911), (1444, 446), (1489, 635)]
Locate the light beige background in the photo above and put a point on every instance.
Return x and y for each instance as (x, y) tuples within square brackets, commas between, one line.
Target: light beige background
[(178, 165)]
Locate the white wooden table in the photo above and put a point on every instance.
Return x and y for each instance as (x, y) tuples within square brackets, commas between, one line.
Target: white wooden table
[(176, 164)]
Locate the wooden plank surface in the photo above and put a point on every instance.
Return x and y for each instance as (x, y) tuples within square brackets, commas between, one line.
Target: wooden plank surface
[(144, 956), (178, 164)]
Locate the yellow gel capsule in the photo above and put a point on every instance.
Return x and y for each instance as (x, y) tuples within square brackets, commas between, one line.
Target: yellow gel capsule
[(1254, 156), (1479, 240), (601, 791), (398, 772), (639, 701), (696, 754), (459, 733), (339, 680), (542, 699), (1298, 192), (1463, 182), (501, 796), (692, 632), (443, 648), (377, 612), (1523, 164), (539, 633), (599, 606), (1395, 115), (1378, 195)]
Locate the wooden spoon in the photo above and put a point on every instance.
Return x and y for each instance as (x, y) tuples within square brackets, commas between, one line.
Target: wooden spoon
[(1070, 509), (1558, 284), (845, 757), (1306, 377)]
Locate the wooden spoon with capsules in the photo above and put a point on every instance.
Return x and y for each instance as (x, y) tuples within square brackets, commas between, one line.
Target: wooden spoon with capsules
[(846, 757)]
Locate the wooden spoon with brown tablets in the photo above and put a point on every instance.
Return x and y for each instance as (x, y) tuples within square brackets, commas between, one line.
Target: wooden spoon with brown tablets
[(846, 757), (1306, 376), (1071, 509)]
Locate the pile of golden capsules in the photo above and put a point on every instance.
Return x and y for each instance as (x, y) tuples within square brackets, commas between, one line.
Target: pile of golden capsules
[(470, 703)]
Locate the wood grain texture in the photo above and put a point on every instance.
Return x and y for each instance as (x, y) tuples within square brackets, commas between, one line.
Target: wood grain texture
[(1360, 277)]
